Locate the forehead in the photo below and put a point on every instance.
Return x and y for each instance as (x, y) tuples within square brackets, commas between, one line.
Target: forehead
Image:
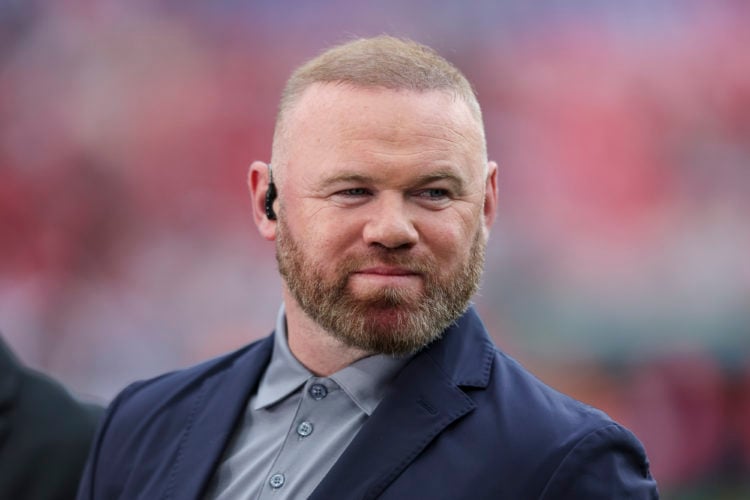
[(339, 118)]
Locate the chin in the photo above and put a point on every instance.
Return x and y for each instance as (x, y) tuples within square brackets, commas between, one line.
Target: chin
[(388, 300)]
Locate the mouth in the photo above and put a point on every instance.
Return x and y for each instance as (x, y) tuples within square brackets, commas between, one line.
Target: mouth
[(385, 276), (387, 271)]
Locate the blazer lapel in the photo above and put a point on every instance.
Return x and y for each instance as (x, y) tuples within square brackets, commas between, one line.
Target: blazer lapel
[(399, 429), (425, 400), (217, 407)]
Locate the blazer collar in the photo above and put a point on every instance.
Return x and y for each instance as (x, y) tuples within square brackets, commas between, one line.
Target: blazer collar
[(464, 352), (427, 399)]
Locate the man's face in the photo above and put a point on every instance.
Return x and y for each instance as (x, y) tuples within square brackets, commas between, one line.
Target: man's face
[(383, 213)]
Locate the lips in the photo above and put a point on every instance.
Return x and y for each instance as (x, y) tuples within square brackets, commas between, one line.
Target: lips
[(387, 271)]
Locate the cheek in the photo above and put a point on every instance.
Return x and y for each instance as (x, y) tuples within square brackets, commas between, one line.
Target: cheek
[(326, 238), (450, 234)]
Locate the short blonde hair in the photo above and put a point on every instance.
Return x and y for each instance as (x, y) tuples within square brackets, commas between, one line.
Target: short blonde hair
[(379, 62)]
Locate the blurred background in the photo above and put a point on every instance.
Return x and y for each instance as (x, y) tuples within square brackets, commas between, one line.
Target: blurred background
[(618, 271)]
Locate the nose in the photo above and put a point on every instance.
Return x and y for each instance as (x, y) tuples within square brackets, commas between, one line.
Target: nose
[(390, 225)]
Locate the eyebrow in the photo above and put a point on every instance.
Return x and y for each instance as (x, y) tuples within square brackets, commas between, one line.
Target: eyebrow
[(344, 177), (439, 175), (442, 175)]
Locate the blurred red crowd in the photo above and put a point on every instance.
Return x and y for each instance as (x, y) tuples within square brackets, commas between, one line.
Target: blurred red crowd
[(621, 252)]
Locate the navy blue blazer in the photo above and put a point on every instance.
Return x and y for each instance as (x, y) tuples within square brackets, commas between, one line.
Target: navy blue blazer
[(464, 422)]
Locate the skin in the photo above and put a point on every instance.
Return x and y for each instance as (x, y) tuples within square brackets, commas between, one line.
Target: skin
[(375, 168)]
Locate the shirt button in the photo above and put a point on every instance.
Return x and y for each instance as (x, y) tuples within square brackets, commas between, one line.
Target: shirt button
[(277, 481), (304, 429), (318, 391)]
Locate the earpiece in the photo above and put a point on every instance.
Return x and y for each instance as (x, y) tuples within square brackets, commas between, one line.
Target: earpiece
[(270, 196)]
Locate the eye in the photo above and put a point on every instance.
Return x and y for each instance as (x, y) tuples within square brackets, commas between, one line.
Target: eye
[(354, 192), (433, 194), (351, 196)]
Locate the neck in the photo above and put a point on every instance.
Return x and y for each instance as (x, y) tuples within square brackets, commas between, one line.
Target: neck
[(314, 347)]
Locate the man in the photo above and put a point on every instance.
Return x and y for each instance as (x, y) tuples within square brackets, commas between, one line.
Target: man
[(44, 434), (379, 381)]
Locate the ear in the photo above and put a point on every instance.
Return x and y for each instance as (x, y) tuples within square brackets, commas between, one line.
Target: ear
[(490, 194), (258, 178)]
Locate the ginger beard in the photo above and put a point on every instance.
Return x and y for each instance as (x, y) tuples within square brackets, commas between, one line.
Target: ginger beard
[(390, 320)]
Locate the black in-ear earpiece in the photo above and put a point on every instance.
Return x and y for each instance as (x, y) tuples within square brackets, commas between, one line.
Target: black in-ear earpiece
[(270, 196)]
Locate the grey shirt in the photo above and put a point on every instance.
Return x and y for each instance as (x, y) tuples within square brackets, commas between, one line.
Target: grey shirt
[(297, 425)]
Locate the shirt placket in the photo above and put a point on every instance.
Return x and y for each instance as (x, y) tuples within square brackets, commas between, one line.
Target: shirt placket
[(322, 398)]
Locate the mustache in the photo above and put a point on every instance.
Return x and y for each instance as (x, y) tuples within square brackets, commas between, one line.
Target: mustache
[(412, 263)]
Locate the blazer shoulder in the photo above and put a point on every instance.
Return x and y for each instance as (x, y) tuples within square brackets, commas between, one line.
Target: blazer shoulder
[(171, 386), (145, 428), (581, 450), (546, 406), (609, 462)]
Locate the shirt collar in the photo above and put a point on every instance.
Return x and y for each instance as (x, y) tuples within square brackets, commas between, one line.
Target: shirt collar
[(284, 373), (366, 381)]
